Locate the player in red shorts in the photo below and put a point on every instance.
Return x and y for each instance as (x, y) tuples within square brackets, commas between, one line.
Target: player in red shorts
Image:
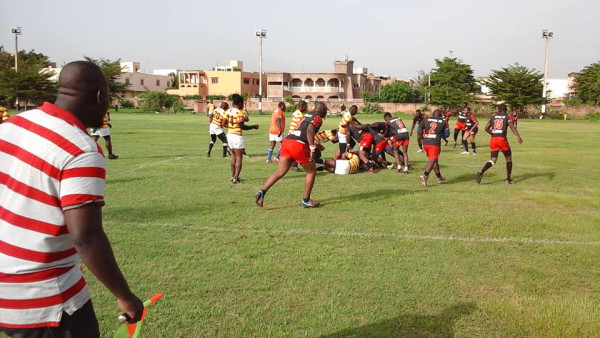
[(433, 129), (400, 138), (471, 129), (461, 123), (298, 146), (417, 119), (498, 127)]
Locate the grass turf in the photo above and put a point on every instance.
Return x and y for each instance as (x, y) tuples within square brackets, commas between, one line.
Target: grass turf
[(382, 256)]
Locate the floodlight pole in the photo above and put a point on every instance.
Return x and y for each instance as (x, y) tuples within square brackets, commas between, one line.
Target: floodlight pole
[(17, 31), (261, 34), (547, 35)]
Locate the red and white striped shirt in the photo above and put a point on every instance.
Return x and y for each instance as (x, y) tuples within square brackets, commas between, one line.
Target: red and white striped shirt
[(48, 164)]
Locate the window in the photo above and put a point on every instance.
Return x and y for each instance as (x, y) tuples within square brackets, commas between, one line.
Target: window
[(127, 81), (168, 83), (355, 85), (246, 80), (142, 82), (157, 83), (214, 80)]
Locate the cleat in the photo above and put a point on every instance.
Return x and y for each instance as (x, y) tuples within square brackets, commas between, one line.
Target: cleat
[(464, 153), (236, 181), (406, 170), (259, 197), (454, 144), (390, 167), (509, 181), (441, 180), (208, 154), (267, 162), (479, 176), (310, 204), (474, 153), (424, 180), (276, 159), (420, 151), (113, 156)]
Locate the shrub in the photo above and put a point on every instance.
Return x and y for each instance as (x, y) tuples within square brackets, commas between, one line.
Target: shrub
[(371, 108), (594, 117)]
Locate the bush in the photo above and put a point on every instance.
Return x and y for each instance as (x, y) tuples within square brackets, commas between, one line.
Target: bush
[(176, 107), (215, 97), (594, 117), (193, 97), (125, 103), (371, 108), (157, 100)]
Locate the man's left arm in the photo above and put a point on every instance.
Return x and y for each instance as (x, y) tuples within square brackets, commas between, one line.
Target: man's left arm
[(516, 132)]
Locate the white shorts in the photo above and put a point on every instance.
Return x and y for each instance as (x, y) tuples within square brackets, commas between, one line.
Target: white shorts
[(341, 137), (215, 130), (100, 132), (236, 141), (342, 167), (275, 138)]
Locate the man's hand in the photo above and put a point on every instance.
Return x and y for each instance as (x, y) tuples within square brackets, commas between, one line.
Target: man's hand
[(132, 308), (520, 140), (110, 125), (255, 126)]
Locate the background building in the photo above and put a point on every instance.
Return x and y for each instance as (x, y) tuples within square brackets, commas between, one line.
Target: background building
[(140, 82)]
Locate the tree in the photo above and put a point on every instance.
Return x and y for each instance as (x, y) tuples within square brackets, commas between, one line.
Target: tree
[(29, 83), (516, 85), (587, 84), (394, 92), (175, 82), (157, 100), (452, 83), (112, 70)]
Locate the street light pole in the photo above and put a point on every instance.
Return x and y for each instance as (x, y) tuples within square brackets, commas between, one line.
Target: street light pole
[(17, 31), (546, 34), (261, 34)]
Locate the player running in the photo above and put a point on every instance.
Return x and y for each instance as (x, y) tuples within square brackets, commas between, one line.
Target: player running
[(498, 127), (298, 146), (276, 131), (472, 128), (417, 119), (433, 129), (295, 122), (217, 120)]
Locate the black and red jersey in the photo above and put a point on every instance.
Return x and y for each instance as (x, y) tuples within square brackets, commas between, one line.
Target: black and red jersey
[(300, 133), (397, 129), (471, 120), (376, 136), (433, 130), (381, 127), (418, 118), (462, 116), (499, 124)]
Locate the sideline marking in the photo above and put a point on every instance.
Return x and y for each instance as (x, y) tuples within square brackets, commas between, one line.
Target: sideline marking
[(370, 234)]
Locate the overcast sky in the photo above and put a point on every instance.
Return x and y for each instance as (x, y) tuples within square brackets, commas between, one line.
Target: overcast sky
[(396, 38)]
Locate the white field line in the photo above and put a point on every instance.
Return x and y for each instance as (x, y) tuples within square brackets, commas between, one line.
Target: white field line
[(150, 164), (372, 234)]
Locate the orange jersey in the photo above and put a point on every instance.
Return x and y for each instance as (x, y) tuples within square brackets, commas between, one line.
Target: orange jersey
[(234, 118), (295, 122), (347, 119), (276, 115), (105, 120), (217, 117), (323, 136), (354, 162), (4, 115)]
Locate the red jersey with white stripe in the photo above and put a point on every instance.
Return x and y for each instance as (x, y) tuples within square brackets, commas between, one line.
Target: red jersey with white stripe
[(48, 164)]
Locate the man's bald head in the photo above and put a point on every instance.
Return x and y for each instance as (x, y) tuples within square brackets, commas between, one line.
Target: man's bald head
[(321, 109), (83, 90)]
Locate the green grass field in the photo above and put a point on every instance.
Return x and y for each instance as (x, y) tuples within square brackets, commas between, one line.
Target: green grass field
[(381, 257)]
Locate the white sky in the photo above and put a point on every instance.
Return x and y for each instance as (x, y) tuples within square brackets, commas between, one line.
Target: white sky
[(396, 38)]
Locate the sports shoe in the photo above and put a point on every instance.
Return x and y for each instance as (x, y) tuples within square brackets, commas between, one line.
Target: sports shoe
[(464, 153), (390, 167), (479, 176), (113, 156), (420, 151), (276, 159), (474, 153), (406, 170), (441, 180), (267, 162), (509, 181), (208, 154), (310, 204), (259, 197), (236, 181), (454, 144), (424, 180)]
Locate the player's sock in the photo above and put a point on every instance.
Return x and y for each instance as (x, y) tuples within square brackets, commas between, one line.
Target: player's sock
[(278, 152), (466, 146), (210, 146), (508, 170), (320, 161), (269, 154), (438, 175), (305, 200), (473, 146), (225, 150), (487, 166), (426, 173), (320, 168)]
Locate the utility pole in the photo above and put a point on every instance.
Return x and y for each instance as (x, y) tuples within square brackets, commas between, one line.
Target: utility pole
[(17, 31), (261, 34), (547, 35)]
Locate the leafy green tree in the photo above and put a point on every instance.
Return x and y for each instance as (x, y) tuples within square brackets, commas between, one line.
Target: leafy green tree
[(175, 81), (157, 100), (516, 85), (398, 92), (29, 84), (112, 70), (370, 97), (587, 84), (452, 83)]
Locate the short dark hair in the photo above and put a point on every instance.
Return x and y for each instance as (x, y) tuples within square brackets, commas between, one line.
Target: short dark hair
[(237, 99), (281, 104), (387, 115), (418, 111), (502, 107)]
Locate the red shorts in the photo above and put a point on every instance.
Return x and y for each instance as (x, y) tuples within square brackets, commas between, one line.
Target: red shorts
[(433, 152), (461, 125), (401, 143), (499, 143), (300, 152), (380, 147), (366, 141)]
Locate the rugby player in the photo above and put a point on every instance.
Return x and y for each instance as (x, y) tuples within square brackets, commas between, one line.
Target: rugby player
[(400, 139), (276, 129), (236, 119), (433, 129), (217, 120), (417, 119)]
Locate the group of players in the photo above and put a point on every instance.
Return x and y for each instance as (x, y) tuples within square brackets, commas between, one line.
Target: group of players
[(303, 144)]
